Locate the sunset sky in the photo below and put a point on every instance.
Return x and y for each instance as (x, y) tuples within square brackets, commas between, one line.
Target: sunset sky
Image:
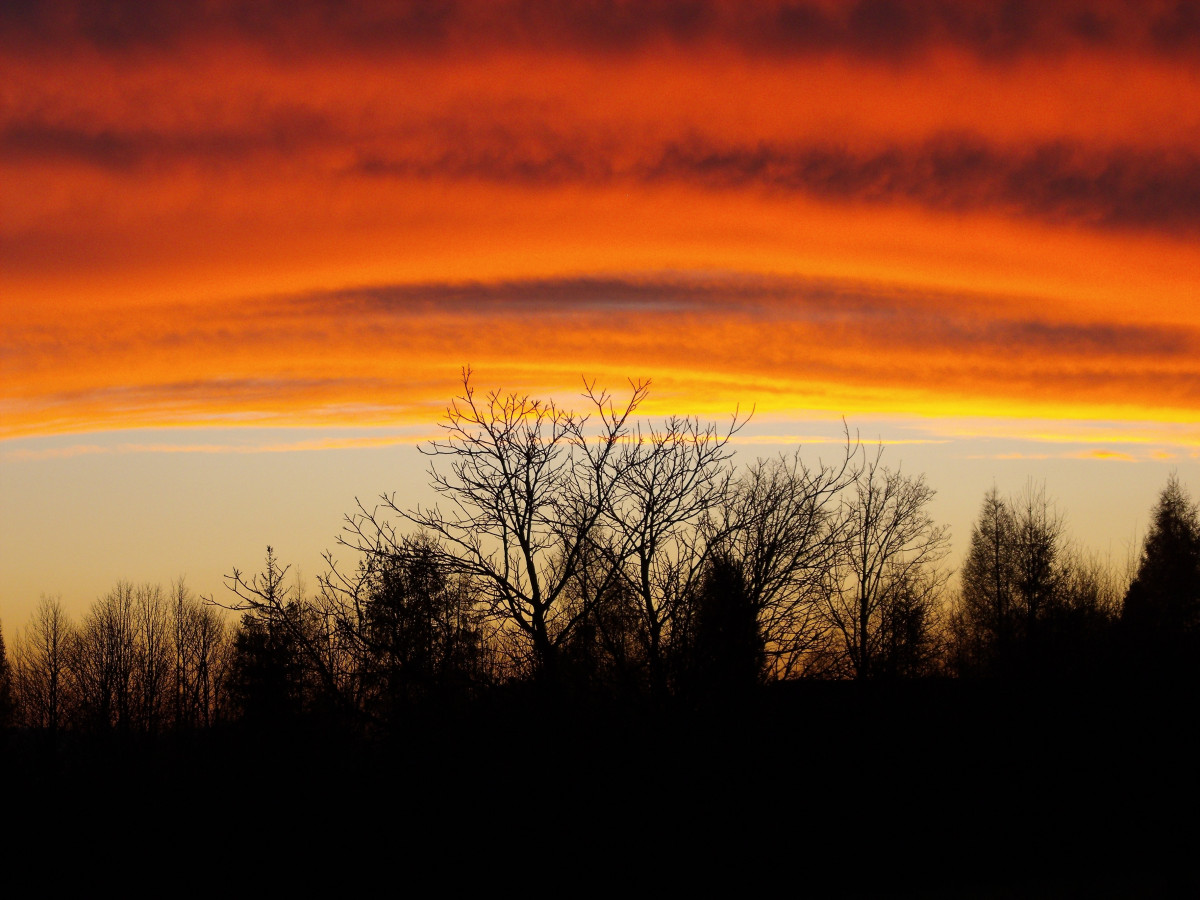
[(244, 252)]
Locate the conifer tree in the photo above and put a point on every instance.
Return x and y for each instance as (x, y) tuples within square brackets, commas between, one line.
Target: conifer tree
[(1164, 597)]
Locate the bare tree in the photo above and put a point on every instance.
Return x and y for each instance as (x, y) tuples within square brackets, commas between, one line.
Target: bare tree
[(152, 656), (781, 523), (7, 697), (886, 602), (524, 486), (41, 655), (1082, 626), (1092, 584), (103, 660), (200, 648), (673, 481)]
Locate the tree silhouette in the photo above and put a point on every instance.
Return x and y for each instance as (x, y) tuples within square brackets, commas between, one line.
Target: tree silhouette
[(200, 645), (1030, 604), (121, 660), (608, 648), (984, 616), (1039, 568), (780, 522), (42, 657), (421, 628), (673, 481), (727, 650), (886, 603), (140, 661), (154, 669), (103, 661), (524, 486), (1162, 606), (275, 659), (7, 700)]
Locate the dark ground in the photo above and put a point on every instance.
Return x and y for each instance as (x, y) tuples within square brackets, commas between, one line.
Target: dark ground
[(932, 789)]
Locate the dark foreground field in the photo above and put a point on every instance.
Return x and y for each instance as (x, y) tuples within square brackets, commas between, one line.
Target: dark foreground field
[(812, 789)]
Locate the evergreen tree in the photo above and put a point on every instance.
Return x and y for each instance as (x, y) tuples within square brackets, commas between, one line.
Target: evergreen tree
[(1030, 603), (421, 628), (268, 679), (984, 617), (1162, 605)]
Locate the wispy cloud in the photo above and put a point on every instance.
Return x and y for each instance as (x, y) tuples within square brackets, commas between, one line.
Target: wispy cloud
[(1101, 455), (796, 439), (25, 454), (1114, 455), (1128, 433), (1011, 455)]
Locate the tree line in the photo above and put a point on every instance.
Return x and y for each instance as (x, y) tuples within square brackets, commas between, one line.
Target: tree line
[(598, 555)]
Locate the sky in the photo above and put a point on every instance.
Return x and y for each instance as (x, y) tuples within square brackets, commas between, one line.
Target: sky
[(246, 249)]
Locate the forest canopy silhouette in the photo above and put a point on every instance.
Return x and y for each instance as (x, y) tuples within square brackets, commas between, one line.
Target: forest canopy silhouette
[(606, 604), (598, 554)]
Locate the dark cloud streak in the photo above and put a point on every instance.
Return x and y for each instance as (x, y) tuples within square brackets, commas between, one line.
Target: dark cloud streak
[(283, 132), (1058, 182), (270, 356), (888, 29), (875, 314)]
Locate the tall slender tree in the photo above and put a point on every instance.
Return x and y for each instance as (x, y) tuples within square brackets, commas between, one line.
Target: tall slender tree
[(887, 601), (42, 656), (984, 615)]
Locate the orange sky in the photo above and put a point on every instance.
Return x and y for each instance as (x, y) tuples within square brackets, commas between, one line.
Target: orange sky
[(315, 214), (945, 210)]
